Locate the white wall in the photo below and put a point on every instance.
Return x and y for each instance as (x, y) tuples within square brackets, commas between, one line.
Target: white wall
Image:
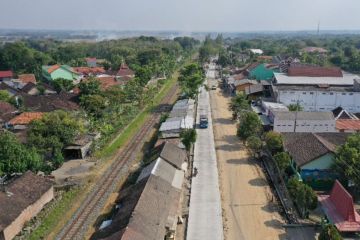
[(315, 126), (284, 125), (304, 125), (321, 100)]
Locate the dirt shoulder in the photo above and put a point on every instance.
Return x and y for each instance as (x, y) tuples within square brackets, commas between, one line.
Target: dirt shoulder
[(249, 208)]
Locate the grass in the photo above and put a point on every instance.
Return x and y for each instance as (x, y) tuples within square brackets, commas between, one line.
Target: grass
[(53, 217)]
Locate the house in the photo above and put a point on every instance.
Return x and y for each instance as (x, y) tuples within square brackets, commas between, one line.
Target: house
[(317, 88), (172, 154), (91, 62), (107, 82), (254, 91), (60, 71), (11, 90), (256, 51), (264, 58), (339, 209), (348, 125), (269, 109), (340, 113), (317, 50), (149, 210), (80, 148), (181, 117), (241, 85), (7, 112), (313, 155), (6, 75), (304, 122), (21, 121), (38, 89), (48, 103), (262, 72), (89, 71), (27, 78), (21, 200), (125, 73)]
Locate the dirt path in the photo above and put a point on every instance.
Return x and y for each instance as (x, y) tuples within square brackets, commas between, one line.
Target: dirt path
[(246, 196)]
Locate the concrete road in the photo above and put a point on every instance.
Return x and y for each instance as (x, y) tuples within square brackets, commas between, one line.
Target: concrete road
[(205, 215)]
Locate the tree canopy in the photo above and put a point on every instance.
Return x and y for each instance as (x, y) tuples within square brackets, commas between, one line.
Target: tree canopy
[(250, 124), (190, 79)]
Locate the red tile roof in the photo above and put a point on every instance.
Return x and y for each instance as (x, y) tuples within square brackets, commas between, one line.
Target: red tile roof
[(313, 71), (53, 68), (26, 78), (107, 82), (348, 124), (26, 118), (339, 208), (6, 74), (89, 70)]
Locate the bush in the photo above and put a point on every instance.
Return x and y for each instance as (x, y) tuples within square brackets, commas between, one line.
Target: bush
[(274, 141)]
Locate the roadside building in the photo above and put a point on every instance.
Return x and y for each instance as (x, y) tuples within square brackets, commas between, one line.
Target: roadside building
[(21, 200), (269, 109), (181, 117), (317, 88), (339, 209), (149, 210), (340, 113), (60, 71), (313, 155), (262, 72), (304, 122), (255, 91), (348, 125), (6, 75)]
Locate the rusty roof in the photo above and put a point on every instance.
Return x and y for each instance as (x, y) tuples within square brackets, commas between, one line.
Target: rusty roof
[(314, 71), (27, 78), (348, 124)]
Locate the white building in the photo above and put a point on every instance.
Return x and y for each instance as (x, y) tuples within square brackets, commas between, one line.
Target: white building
[(256, 51), (304, 122), (318, 93), (270, 108)]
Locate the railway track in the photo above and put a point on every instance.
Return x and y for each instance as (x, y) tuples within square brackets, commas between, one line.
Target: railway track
[(77, 227)]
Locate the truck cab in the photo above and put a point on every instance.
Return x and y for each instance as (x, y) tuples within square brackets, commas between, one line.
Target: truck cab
[(203, 121)]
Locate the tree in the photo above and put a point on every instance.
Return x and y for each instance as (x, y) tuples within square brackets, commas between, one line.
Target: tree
[(61, 84), (282, 159), (16, 157), (329, 232), (90, 87), (190, 79), (295, 107), (50, 134), (250, 124), (274, 141), (304, 197), (188, 137), (4, 96), (254, 143), (93, 104), (347, 160), (238, 104)]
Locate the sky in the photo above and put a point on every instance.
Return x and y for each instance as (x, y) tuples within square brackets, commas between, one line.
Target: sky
[(181, 15)]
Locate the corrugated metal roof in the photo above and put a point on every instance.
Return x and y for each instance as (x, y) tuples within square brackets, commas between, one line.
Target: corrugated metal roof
[(347, 79), (304, 115)]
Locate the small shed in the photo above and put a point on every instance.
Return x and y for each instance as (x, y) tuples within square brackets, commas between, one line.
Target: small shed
[(81, 146)]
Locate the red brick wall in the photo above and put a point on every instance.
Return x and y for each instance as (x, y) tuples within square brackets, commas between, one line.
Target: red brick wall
[(31, 211)]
